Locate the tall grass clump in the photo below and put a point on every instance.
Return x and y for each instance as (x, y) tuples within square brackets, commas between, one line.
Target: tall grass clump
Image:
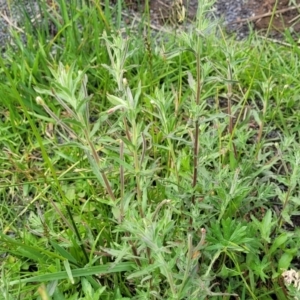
[(143, 168)]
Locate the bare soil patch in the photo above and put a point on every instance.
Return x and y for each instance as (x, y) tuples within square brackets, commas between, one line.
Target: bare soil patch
[(285, 14), (261, 14)]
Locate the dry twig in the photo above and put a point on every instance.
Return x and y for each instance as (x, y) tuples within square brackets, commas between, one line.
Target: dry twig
[(280, 11)]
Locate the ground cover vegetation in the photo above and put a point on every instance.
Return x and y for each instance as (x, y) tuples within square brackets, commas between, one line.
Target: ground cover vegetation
[(135, 167)]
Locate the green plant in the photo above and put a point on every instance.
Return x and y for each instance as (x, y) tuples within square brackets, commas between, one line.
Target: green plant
[(169, 172)]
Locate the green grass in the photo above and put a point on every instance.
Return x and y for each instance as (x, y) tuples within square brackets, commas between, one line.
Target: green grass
[(142, 168)]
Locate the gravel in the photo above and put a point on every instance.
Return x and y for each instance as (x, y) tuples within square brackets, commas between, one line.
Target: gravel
[(228, 10), (231, 11), (12, 15)]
